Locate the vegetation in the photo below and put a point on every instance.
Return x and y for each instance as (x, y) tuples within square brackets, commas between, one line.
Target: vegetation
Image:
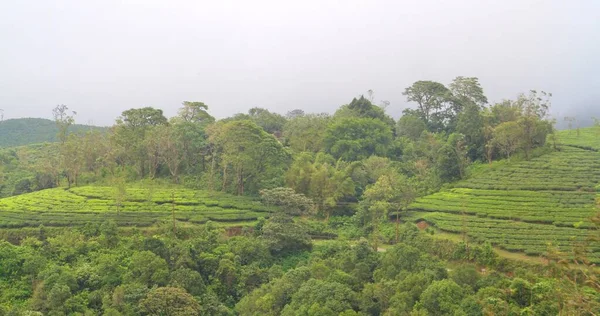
[(26, 131), (138, 207), (306, 214)]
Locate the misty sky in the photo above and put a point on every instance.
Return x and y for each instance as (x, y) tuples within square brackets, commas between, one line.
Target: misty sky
[(103, 57)]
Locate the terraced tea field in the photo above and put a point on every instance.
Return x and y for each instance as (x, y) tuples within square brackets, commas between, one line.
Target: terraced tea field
[(137, 207), (586, 138), (523, 206)]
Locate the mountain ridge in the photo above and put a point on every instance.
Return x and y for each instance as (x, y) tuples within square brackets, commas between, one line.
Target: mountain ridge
[(26, 131)]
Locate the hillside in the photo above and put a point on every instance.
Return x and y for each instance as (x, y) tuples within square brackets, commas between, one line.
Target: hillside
[(524, 206), (24, 131), (586, 138), (127, 206)]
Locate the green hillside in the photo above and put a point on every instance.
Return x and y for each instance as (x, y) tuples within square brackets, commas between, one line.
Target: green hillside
[(130, 207), (24, 131), (586, 138), (523, 206)]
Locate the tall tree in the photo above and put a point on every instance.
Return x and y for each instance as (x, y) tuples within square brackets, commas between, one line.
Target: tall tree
[(306, 132), (363, 108), (467, 90), (535, 127), (190, 129), (272, 123), (129, 133), (432, 100), (410, 126), (328, 185), (63, 121), (471, 125), (247, 155), (507, 137), (378, 200), (354, 139), (195, 112)]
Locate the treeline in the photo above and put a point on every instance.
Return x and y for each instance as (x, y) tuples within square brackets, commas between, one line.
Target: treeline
[(330, 158)]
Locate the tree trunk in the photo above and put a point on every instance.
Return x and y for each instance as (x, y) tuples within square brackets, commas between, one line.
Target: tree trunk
[(397, 225), (224, 177)]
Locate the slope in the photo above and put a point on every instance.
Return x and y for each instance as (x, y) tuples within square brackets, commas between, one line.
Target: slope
[(24, 131), (127, 206), (522, 206)]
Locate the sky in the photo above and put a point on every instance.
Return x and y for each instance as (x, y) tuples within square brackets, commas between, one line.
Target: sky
[(103, 57)]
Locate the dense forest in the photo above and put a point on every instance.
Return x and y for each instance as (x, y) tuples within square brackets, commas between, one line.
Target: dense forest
[(305, 214)]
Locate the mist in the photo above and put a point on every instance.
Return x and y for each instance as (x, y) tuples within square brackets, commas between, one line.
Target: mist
[(103, 57)]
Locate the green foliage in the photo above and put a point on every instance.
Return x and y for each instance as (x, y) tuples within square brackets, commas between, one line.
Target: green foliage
[(287, 200), (410, 126), (306, 132), (316, 297), (442, 297), (169, 301), (354, 139), (250, 159), (432, 100), (283, 235)]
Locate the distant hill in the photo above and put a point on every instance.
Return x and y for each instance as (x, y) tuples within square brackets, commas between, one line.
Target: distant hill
[(25, 131)]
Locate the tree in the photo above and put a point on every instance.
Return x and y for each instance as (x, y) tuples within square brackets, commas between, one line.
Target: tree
[(289, 202), (306, 132), (410, 126), (248, 155), (507, 137), (328, 185), (378, 200), (442, 297), (129, 134), (195, 112), (467, 90), (63, 120), (169, 301), (165, 143), (72, 158), (299, 174), (534, 107), (353, 139), (68, 154), (148, 268), (294, 114), (363, 108), (471, 125), (272, 123), (283, 235), (432, 103), (452, 158), (317, 297)]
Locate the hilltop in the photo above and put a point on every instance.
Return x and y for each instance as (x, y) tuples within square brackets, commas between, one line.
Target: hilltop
[(25, 131)]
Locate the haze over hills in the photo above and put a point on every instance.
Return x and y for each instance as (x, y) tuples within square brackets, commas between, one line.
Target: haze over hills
[(25, 131)]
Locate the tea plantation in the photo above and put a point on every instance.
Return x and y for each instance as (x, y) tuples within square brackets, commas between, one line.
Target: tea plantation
[(525, 206), (587, 138), (134, 207)]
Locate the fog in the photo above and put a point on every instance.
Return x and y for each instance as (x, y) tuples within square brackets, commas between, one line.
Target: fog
[(103, 57)]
